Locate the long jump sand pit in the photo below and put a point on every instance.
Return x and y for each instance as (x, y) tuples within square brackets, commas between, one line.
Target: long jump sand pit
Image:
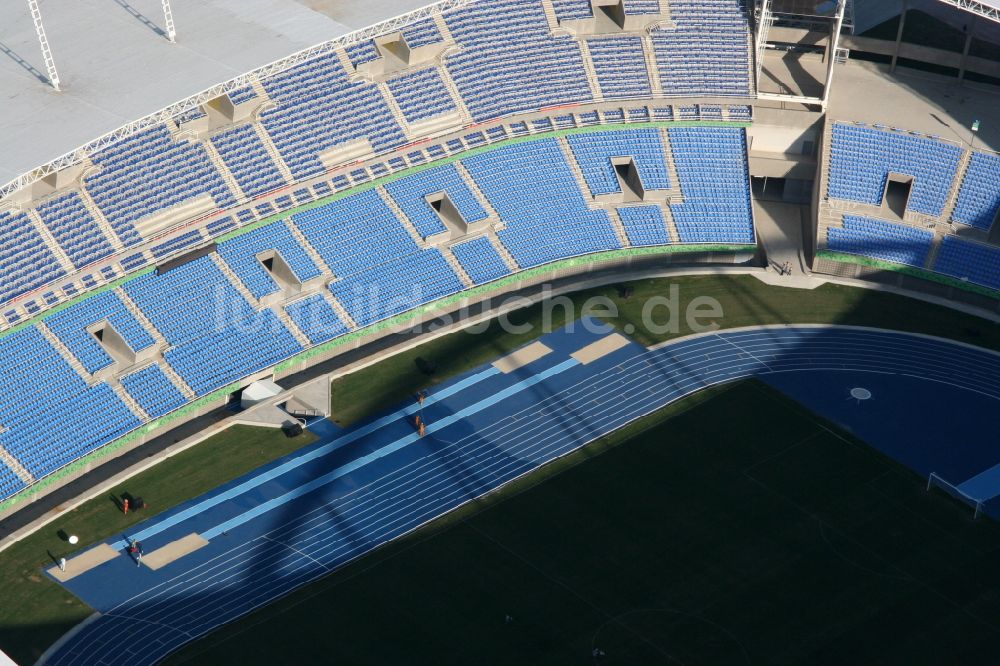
[(85, 561), (173, 551), (600, 349), (521, 357)]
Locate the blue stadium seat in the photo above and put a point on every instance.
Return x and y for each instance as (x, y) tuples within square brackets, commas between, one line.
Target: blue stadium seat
[(26, 262), (318, 109), (154, 392), (620, 67), (75, 229), (77, 418), (316, 318), (396, 286), (898, 243), (247, 159), (644, 225), (409, 194), (861, 159), (969, 260), (707, 52), (979, 196), (171, 172), (70, 326), (532, 188), (712, 167), (593, 152), (508, 61), (240, 254), (480, 260), (421, 94)]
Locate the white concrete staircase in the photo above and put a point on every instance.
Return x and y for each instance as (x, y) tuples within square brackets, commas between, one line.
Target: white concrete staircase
[(140, 317), (307, 246), (668, 151), (292, 327), (652, 68), (130, 402), (456, 266), (401, 216), (102, 222), (258, 87), (177, 380), (473, 186), (668, 218), (15, 466), (397, 111), (341, 55), (64, 351), (273, 152), (588, 67), (827, 218), (619, 227), (932, 254), (577, 172), (456, 95), (339, 309), (160, 342), (504, 253), (50, 241), (824, 171), (442, 27), (220, 165), (235, 280), (956, 185), (550, 15)]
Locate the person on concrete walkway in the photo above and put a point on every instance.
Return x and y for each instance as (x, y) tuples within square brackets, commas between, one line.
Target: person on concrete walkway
[(62, 564)]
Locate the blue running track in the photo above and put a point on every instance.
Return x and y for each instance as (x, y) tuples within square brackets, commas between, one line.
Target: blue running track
[(295, 520)]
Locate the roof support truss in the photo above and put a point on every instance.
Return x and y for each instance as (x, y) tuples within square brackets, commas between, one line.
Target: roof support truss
[(168, 21), (50, 64), (78, 155), (981, 9)]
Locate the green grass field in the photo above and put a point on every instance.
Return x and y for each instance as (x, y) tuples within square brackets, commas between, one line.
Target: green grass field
[(35, 611), (732, 527), (745, 301)]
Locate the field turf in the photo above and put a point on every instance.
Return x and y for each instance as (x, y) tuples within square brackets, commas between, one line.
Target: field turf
[(732, 527), (745, 301), (35, 611)]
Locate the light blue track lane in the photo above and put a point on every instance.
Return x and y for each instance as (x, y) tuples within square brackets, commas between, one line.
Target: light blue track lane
[(260, 479), (386, 450), (479, 439)]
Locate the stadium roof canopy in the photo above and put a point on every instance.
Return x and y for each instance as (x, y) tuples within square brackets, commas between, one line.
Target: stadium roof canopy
[(987, 8), (116, 65)]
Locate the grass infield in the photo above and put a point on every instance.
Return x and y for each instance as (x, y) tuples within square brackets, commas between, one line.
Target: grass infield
[(732, 527), (745, 301), (34, 611)]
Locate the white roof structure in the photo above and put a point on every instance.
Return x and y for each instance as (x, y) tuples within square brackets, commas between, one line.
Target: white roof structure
[(986, 8), (116, 64), (259, 391)]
